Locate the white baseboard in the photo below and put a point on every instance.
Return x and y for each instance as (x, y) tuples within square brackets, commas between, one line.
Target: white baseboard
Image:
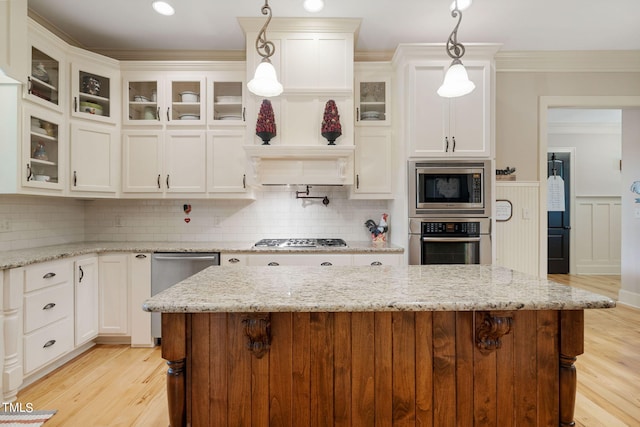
[(629, 298)]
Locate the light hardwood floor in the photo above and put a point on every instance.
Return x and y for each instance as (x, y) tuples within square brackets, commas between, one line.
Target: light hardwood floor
[(120, 386)]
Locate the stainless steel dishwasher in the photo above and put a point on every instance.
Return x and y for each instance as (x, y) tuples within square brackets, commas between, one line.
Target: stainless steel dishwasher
[(169, 268)]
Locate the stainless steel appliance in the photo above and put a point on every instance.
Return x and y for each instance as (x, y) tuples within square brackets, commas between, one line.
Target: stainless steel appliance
[(169, 268), (449, 188), (449, 241), (300, 243)]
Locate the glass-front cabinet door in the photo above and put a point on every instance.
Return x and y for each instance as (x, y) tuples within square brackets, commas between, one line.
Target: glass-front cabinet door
[(92, 93), (185, 101), (141, 105), (42, 149), (46, 77), (372, 102), (228, 102)]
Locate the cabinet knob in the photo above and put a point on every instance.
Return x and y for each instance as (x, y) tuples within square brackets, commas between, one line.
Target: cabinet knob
[(168, 181), (49, 275), (358, 114), (234, 260), (446, 140), (49, 306), (141, 256), (357, 181), (273, 263), (376, 263), (29, 173), (75, 179), (81, 274), (244, 181), (49, 343), (168, 118), (453, 138), (326, 263), (158, 180)]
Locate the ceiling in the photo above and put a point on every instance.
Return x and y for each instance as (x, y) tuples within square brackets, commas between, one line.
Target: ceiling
[(211, 25)]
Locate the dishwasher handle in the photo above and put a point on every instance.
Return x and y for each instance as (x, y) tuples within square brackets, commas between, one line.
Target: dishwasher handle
[(187, 258)]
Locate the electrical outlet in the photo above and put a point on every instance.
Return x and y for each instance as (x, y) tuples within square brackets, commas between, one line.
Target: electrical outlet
[(118, 221), (5, 225)]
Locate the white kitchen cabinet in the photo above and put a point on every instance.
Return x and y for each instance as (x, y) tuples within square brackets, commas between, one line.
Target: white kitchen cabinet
[(114, 310), (47, 79), (48, 309), (164, 162), (449, 126), (13, 39), (373, 163), (233, 259), (373, 94), (43, 149), (94, 89), (86, 299), (375, 259), (157, 97), (272, 259), (227, 165), (226, 98), (94, 158), (140, 280)]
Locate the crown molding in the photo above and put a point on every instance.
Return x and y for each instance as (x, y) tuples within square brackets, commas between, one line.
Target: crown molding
[(172, 55), (302, 25), (568, 61)]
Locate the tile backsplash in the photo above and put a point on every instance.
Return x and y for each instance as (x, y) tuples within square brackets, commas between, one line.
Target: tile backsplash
[(27, 222), (275, 213)]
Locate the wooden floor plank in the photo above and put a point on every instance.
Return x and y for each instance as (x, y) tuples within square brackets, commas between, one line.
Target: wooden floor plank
[(118, 385)]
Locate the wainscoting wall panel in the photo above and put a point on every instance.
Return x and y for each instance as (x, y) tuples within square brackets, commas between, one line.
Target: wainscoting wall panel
[(518, 239), (598, 235)]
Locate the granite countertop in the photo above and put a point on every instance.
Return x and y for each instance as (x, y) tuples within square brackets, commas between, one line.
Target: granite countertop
[(20, 258), (366, 288)]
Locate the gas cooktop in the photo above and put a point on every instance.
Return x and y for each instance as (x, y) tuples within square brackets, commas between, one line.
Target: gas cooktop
[(300, 243)]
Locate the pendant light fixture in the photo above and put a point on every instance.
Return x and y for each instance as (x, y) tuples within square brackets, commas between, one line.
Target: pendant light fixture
[(265, 82), (456, 80)]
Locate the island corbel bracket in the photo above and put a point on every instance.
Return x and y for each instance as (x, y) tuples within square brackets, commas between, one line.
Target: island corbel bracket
[(490, 328), (257, 327)]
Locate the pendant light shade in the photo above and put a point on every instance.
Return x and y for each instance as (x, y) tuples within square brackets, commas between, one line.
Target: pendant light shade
[(456, 81), (265, 82)]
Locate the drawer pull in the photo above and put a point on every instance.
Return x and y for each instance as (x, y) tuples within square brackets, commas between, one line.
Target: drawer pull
[(49, 306), (272, 264), (49, 343), (81, 274), (326, 263), (141, 256), (49, 275), (376, 263), (234, 260)]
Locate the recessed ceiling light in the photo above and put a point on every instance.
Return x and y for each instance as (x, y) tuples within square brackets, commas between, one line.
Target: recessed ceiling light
[(462, 4), (313, 5), (163, 8)]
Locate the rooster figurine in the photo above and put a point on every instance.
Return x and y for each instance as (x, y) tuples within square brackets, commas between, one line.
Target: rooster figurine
[(380, 228)]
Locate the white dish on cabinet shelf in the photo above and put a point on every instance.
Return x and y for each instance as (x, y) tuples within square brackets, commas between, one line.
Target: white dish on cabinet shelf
[(229, 99)]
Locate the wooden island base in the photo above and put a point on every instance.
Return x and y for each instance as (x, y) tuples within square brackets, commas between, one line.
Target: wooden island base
[(429, 368)]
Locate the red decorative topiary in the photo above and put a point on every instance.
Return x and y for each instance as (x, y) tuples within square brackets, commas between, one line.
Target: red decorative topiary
[(331, 128), (266, 124)]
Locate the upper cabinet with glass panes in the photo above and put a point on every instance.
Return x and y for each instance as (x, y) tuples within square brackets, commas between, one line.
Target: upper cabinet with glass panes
[(93, 88), (372, 102), (46, 81)]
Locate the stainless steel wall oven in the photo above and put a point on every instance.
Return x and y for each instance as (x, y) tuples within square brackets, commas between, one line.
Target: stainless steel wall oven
[(450, 211)]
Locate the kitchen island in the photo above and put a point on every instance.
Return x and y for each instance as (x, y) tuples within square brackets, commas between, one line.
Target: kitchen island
[(367, 346)]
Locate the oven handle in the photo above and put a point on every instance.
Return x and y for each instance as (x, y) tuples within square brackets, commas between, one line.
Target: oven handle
[(451, 239)]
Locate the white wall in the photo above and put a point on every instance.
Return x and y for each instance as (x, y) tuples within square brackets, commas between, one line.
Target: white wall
[(630, 292)]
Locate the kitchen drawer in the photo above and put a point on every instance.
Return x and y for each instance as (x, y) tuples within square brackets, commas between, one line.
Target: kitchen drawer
[(45, 274), (47, 344), (299, 259), (47, 306), (377, 259)]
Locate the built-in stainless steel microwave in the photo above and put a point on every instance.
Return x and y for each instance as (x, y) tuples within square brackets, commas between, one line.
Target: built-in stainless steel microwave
[(449, 187)]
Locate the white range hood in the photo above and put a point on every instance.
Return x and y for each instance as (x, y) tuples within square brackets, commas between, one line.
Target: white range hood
[(301, 164)]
